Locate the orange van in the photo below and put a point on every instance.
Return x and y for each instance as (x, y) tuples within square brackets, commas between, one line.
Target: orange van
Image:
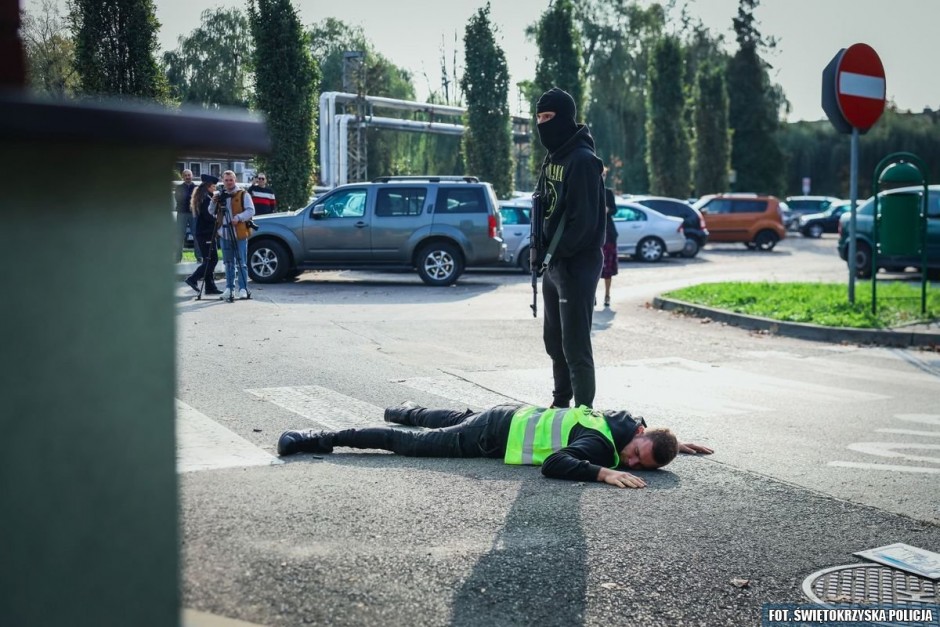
[(754, 220)]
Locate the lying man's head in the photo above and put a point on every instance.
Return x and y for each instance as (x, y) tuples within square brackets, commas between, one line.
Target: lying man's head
[(650, 449)]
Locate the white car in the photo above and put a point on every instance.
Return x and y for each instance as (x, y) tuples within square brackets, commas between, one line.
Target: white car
[(646, 234), (517, 226)]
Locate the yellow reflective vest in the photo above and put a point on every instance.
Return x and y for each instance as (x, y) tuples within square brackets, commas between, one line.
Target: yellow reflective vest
[(537, 432)]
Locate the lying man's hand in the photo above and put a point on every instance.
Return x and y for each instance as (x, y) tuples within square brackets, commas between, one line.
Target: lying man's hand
[(693, 449), (620, 479)]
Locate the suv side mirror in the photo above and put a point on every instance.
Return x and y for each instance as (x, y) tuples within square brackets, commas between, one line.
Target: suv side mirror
[(704, 209), (318, 212)]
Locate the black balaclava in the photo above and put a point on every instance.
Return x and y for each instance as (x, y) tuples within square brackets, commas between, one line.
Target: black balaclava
[(554, 133)]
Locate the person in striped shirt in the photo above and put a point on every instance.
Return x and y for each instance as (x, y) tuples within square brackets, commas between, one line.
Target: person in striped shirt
[(262, 195), (579, 444)]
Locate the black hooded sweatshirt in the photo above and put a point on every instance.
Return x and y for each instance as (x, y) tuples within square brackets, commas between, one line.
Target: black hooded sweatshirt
[(572, 189)]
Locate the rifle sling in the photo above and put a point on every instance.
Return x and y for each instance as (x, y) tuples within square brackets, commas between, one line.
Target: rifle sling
[(554, 243)]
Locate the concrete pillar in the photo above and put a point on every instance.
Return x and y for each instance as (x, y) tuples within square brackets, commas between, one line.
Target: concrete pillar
[(88, 488)]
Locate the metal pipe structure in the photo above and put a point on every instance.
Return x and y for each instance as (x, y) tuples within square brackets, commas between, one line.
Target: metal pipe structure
[(334, 127)]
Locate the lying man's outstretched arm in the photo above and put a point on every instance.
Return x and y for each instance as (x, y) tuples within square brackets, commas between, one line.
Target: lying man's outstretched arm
[(693, 449)]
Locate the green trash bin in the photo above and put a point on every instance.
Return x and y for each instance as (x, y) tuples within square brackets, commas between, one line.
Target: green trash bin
[(900, 228), (900, 218)]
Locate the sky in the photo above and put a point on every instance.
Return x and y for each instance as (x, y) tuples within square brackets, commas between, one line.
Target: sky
[(410, 33)]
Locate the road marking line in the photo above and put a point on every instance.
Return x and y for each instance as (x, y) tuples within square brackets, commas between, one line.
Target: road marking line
[(204, 444), (457, 389), (929, 434), (893, 468), (330, 409), (887, 449)]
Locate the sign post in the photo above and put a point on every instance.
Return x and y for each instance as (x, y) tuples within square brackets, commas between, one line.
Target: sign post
[(853, 97)]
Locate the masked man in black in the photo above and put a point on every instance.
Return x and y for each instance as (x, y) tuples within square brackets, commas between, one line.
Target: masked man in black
[(571, 188)]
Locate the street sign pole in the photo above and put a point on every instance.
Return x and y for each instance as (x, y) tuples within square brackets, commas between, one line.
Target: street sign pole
[(853, 197), (853, 97)]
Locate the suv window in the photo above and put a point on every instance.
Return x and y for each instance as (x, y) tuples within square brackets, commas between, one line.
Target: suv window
[(748, 206), (460, 200), (719, 205), (400, 201), (629, 214), (350, 203)]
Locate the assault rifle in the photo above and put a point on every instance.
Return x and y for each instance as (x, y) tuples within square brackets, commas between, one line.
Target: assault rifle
[(540, 256), (536, 249)]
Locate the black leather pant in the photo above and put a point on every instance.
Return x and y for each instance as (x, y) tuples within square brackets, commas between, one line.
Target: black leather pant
[(449, 434), (210, 257), (568, 291)]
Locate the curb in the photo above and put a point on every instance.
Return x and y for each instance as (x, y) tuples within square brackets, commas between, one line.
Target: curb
[(799, 330)]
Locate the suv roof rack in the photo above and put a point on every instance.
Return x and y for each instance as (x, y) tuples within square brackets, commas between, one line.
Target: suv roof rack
[(430, 179)]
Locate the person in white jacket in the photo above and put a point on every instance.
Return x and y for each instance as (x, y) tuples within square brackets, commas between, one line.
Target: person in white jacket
[(237, 210)]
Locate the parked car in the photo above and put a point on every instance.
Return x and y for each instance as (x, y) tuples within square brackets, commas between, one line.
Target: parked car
[(754, 220), (517, 227), (801, 205), (815, 224), (696, 234), (437, 225), (646, 234), (864, 237)]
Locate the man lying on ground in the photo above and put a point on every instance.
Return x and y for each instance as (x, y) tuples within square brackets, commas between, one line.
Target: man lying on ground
[(579, 444)]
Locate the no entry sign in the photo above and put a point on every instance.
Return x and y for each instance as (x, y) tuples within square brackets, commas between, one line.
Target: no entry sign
[(860, 86), (853, 94)]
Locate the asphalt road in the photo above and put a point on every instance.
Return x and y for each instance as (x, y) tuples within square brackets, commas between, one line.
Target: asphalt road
[(821, 451)]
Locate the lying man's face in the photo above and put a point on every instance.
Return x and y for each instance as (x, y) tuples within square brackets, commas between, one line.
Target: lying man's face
[(638, 454)]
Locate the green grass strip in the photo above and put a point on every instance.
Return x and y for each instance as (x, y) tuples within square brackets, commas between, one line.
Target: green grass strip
[(826, 304)]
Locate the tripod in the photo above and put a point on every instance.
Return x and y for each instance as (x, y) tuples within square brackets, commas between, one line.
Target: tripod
[(209, 253), (240, 264)]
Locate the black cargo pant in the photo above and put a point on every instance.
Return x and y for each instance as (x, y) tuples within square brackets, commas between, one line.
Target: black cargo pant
[(568, 290), (449, 434)]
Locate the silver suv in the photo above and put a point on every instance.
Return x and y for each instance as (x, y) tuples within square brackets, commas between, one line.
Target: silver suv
[(437, 225)]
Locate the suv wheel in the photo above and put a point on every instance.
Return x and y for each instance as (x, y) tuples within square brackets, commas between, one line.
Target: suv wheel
[(766, 240), (650, 249), (862, 260), (691, 248), (439, 264), (268, 261), (815, 230)]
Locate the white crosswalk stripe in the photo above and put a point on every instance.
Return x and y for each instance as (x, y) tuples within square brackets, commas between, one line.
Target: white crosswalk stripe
[(204, 444), (458, 389), (327, 408)]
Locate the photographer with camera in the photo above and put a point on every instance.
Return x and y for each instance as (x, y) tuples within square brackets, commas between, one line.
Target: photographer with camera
[(233, 210)]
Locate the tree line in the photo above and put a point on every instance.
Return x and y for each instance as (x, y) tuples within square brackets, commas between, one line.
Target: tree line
[(672, 111)]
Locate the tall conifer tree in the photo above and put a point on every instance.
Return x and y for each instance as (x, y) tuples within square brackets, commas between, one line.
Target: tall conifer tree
[(753, 111), (286, 79), (115, 48), (487, 142), (668, 149), (712, 154)]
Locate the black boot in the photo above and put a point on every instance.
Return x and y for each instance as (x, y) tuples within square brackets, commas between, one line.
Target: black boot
[(305, 441), (402, 414)]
